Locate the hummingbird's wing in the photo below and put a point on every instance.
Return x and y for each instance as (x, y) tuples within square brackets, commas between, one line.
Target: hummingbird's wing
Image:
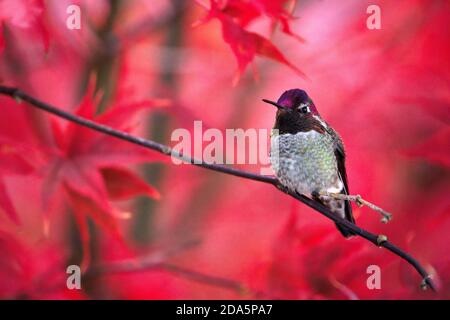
[(339, 153)]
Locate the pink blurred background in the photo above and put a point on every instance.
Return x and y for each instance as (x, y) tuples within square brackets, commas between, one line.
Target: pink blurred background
[(385, 91)]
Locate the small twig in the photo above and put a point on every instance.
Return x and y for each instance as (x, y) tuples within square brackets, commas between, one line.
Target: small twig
[(386, 216), (208, 279), (158, 261), (145, 262), (19, 95)]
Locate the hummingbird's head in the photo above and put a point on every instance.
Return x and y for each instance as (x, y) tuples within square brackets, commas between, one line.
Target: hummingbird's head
[(296, 111), (294, 100)]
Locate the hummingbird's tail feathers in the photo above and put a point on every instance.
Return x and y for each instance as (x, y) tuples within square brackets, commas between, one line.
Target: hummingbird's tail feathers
[(345, 231), (348, 216)]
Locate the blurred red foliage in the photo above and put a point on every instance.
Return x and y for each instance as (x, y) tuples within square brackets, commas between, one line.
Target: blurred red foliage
[(235, 15), (62, 187)]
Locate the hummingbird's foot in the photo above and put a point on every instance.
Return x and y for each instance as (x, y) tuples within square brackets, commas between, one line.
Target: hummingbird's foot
[(282, 188), (386, 216)]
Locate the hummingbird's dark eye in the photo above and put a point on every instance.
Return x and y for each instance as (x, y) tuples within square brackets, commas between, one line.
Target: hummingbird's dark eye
[(303, 108)]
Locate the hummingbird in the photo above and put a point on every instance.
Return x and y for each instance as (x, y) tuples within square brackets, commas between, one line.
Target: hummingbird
[(308, 155)]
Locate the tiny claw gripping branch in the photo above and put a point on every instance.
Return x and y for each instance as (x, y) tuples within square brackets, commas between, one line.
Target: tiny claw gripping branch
[(379, 240)]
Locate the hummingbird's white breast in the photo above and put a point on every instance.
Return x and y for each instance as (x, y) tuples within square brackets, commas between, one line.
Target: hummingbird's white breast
[(305, 162)]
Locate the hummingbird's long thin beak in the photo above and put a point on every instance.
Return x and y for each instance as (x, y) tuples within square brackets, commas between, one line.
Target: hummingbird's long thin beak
[(274, 104)]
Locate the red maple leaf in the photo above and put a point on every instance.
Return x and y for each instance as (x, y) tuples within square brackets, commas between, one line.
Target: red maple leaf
[(32, 270), (25, 15), (234, 16), (245, 12), (89, 169), (85, 168), (11, 162)]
